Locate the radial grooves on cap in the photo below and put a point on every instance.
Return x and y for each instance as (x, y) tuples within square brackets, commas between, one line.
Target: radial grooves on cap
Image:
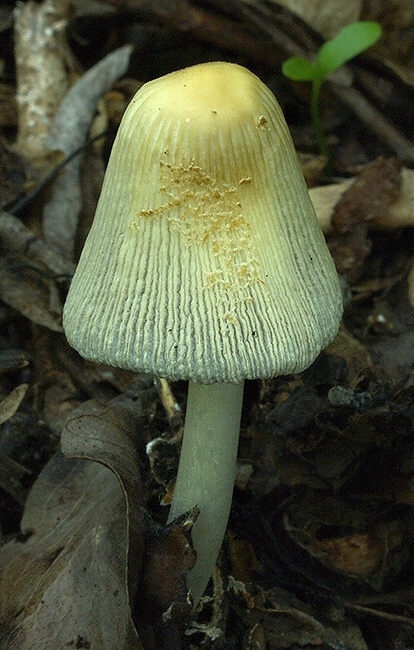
[(208, 246)]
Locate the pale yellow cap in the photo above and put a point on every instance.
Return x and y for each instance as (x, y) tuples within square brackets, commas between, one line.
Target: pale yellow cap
[(205, 260)]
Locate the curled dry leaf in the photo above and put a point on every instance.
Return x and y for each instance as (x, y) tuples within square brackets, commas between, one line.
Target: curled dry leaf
[(68, 132), (12, 360), (365, 553), (80, 521), (106, 433), (355, 545)]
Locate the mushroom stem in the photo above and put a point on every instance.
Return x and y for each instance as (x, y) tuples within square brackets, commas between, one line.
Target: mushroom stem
[(207, 471)]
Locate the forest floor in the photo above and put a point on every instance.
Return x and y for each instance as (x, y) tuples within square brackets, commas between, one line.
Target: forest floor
[(319, 551)]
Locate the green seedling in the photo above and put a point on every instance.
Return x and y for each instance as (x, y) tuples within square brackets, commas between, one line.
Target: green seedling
[(348, 43)]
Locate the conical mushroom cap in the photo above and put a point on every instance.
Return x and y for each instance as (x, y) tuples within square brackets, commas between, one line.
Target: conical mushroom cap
[(205, 260)]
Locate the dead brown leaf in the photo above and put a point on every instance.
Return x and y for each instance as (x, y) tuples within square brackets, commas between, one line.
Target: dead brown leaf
[(56, 395), (24, 288), (358, 554), (72, 579)]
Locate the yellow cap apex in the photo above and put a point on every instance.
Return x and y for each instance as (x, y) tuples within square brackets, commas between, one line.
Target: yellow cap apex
[(206, 93)]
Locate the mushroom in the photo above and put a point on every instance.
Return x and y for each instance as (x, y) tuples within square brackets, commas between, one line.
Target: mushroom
[(205, 262)]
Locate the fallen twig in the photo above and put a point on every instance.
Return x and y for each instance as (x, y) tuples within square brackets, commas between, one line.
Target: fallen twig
[(376, 122), (204, 25)]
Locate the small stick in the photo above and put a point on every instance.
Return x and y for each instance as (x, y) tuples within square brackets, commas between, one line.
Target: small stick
[(170, 404)]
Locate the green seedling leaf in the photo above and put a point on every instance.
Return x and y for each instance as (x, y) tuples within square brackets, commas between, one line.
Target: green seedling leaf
[(348, 43), (299, 69)]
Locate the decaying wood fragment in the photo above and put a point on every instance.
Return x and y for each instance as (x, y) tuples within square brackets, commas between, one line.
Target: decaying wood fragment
[(369, 197), (42, 63), (374, 190), (7, 105), (170, 404)]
